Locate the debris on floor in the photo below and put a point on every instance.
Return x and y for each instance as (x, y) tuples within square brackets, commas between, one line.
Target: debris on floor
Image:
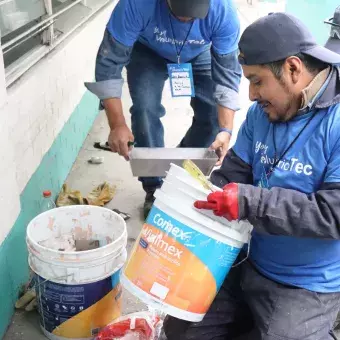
[(125, 215), (28, 300), (136, 326), (99, 196), (96, 160), (69, 197)]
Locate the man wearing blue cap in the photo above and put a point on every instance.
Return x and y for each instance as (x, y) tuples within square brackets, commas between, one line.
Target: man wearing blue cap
[(192, 42), (283, 176)]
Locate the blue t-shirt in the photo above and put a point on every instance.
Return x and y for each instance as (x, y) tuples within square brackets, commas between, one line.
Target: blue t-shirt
[(148, 21), (313, 264)]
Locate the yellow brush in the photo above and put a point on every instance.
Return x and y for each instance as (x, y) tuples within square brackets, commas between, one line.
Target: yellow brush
[(196, 173)]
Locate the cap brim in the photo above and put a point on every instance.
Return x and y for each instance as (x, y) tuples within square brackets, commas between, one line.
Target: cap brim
[(324, 54), (333, 44), (185, 8)]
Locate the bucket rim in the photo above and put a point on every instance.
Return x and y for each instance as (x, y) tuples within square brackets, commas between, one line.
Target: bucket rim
[(238, 236), (197, 185), (36, 244), (200, 190), (117, 270), (46, 259), (50, 258), (189, 194)]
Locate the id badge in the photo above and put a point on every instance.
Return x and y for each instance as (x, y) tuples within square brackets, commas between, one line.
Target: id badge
[(181, 80), (264, 181)]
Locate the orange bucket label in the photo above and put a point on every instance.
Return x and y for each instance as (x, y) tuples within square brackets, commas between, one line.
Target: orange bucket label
[(178, 265)]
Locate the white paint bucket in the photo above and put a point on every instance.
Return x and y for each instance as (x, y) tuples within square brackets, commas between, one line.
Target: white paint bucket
[(182, 256), (78, 292)]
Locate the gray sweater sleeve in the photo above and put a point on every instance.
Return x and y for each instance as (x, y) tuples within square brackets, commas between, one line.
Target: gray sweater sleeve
[(226, 74), (111, 59), (288, 212)]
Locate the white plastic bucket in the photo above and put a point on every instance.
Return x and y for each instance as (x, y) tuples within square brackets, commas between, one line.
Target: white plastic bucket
[(78, 292), (182, 256)]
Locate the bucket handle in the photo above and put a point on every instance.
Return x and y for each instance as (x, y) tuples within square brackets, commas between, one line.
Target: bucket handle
[(247, 256), (49, 279)]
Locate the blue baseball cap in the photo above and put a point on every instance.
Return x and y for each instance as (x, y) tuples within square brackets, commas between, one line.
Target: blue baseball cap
[(278, 36)]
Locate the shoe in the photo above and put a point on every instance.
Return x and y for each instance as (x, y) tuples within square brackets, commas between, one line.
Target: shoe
[(148, 203)]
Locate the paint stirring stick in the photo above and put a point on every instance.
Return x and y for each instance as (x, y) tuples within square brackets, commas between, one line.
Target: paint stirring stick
[(196, 173)]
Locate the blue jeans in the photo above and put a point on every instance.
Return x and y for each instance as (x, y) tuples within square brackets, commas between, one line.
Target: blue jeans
[(146, 74)]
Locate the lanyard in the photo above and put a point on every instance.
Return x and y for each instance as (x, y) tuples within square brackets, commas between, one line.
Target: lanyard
[(277, 161), (178, 52)]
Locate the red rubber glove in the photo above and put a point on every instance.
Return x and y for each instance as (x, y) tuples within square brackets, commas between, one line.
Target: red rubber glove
[(223, 203)]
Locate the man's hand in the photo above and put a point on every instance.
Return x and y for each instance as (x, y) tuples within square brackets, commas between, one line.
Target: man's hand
[(120, 134), (223, 203), (119, 138), (221, 146), (226, 121)]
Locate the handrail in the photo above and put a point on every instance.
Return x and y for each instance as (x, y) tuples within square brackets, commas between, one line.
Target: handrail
[(41, 29), (331, 22), (2, 2)]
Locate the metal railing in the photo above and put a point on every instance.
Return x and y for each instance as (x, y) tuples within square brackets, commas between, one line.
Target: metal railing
[(334, 22), (47, 23)]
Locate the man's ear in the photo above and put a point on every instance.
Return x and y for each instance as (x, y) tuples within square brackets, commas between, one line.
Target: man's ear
[(293, 67)]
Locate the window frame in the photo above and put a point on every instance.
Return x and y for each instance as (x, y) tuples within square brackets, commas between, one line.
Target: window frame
[(53, 29)]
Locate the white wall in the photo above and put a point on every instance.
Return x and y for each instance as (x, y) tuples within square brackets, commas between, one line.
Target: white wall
[(2, 81), (36, 108), (9, 193)]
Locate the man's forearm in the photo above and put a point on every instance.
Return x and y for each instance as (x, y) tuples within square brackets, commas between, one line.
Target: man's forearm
[(287, 212), (225, 117), (114, 112)]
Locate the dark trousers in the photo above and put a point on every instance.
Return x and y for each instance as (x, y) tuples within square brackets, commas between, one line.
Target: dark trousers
[(251, 307), (146, 75)]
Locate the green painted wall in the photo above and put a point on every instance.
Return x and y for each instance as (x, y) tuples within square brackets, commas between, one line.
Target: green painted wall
[(313, 13), (50, 175)]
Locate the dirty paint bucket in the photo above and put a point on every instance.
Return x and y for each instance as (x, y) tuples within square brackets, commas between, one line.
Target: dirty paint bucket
[(182, 256), (78, 292)]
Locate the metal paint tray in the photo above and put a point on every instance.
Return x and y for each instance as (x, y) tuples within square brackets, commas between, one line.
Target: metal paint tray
[(154, 162)]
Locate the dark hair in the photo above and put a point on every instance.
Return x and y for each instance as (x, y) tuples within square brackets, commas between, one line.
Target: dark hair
[(312, 64)]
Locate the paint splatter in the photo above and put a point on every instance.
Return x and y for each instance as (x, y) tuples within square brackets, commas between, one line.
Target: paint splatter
[(51, 221)]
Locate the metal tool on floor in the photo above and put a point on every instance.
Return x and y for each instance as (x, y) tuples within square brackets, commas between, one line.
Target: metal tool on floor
[(106, 147), (102, 146), (124, 215)]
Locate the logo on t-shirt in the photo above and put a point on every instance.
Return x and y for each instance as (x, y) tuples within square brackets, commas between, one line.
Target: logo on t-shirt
[(162, 37), (293, 164)]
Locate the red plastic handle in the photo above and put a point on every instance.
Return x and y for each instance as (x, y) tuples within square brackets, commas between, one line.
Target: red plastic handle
[(205, 205)]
